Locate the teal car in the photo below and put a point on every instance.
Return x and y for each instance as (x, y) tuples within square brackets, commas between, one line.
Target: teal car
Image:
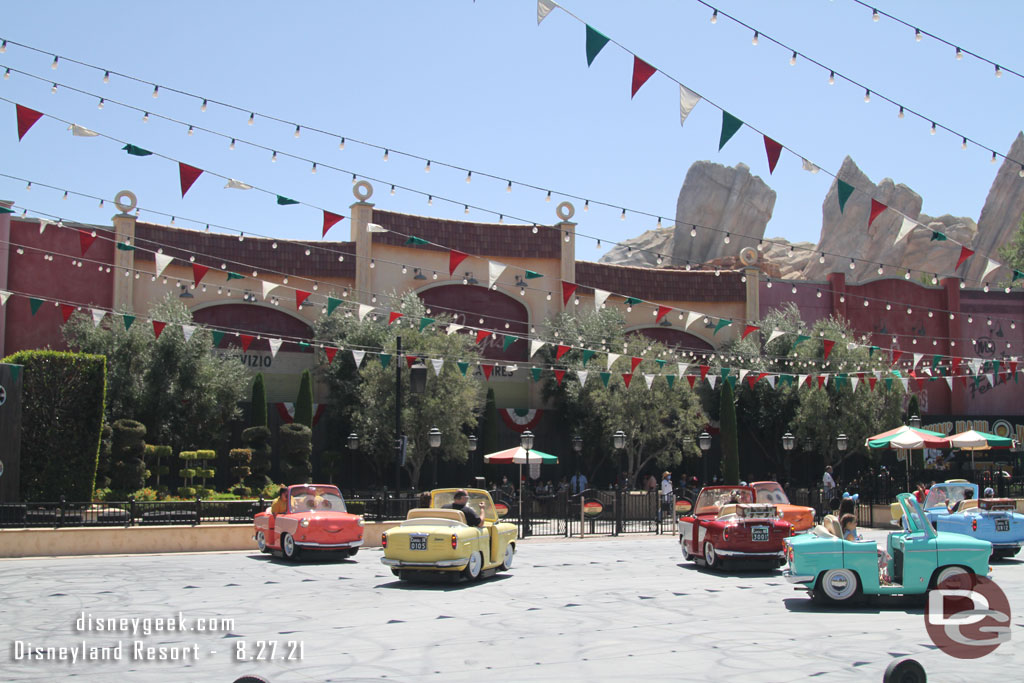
[(916, 559)]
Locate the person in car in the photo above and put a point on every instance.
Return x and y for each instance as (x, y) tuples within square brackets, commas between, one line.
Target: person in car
[(955, 507), (460, 502)]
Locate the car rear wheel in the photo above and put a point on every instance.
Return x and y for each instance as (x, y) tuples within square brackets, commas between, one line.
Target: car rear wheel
[(288, 547), (510, 555), (474, 566), (838, 586), (711, 557), (351, 552), (261, 542)]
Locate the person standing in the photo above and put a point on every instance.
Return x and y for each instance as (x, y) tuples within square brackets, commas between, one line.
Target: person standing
[(828, 490), (578, 483), (666, 491)]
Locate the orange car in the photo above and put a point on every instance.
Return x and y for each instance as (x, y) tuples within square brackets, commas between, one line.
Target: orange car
[(802, 518)]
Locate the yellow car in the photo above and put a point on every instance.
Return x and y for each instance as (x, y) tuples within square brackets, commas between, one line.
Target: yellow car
[(438, 540)]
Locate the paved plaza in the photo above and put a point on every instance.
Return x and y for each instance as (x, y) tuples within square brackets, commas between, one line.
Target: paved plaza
[(596, 609)]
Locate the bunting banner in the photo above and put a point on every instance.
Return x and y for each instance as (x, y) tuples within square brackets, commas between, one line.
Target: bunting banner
[(275, 346), (730, 124), (561, 351), (158, 327), (509, 340), (375, 227), (198, 272), (687, 101), (612, 357), (393, 316), (844, 190), (989, 267), (582, 375), (691, 317), (385, 360), (642, 71), (568, 288), (595, 43), (587, 355), (85, 240), (748, 329), (773, 149), (544, 8), (453, 328), (97, 314), (81, 131), (682, 368), (905, 229), (494, 271), (712, 380), (28, 117), (600, 296), (633, 363), (364, 310), (454, 259), (488, 369), (129, 319), (482, 335), (233, 184), (827, 345), (136, 151), (329, 351), (42, 228), (268, 287), (162, 261), (965, 254), (774, 335), (188, 175), (662, 312), (286, 201), (437, 364), (808, 166), (877, 208), (426, 322), (650, 380), (627, 378), (66, 310), (535, 346), (330, 219), (187, 331), (300, 297), (559, 376), (357, 357)]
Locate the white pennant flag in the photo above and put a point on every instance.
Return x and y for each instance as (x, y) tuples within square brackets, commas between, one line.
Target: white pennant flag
[(808, 166), (712, 380), (494, 271), (906, 382), (275, 346), (233, 184), (682, 369), (949, 381), (583, 374), (535, 346), (81, 131), (544, 8), (600, 296), (42, 225), (612, 357), (691, 317), (989, 267), (438, 363), (774, 335), (649, 379), (877, 374), (854, 381), (917, 359), (743, 373), (162, 261), (453, 328), (687, 101), (268, 287), (771, 380), (905, 229), (927, 370), (512, 368), (364, 310), (991, 378), (357, 356), (825, 383), (975, 364), (188, 330), (373, 227), (97, 316), (4, 296), (801, 379)]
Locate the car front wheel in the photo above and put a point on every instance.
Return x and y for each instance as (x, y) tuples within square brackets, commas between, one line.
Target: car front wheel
[(288, 547), (838, 586), (953, 577)]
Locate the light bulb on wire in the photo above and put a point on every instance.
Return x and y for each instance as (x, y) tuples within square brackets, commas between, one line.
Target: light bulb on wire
[(54, 64), (714, 20), (917, 34), (792, 60), (753, 41), (202, 107), (867, 96), (831, 77)]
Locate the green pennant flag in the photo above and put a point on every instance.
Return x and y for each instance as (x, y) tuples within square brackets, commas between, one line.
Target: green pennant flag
[(788, 379), (897, 373), (34, 304), (136, 151), (605, 376), (530, 275), (304, 345), (871, 351), (536, 374), (234, 276), (4, 209), (722, 322), (840, 380), (731, 379), (424, 322), (671, 379), (633, 301), (730, 124), (385, 360), (414, 241), (660, 363), (462, 367), (995, 368), (938, 236), (509, 341), (129, 319), (587, 355), (123, 246), (1017, 275), (595, 43), (800, 338), (725, 372), (977, 381), (935, 361), (333, 303), (284, 201), (845, 190), (217, 337), (888, 383), (15, 372)]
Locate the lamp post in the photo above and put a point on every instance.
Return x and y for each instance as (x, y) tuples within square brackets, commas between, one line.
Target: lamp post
[(704, 441), (526, 442), (914, 421), (788, 443), (471, 439), (353, 442), (417, 385), (434, 437), (841, 443), (577, 447), (619, 441)]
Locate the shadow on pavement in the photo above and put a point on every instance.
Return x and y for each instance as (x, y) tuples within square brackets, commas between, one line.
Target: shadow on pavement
[(752, 571), (907, 605), (308, 559), (440, 583)]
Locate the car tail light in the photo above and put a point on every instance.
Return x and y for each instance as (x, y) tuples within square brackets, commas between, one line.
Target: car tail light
[(383, 540), (455, 541), (974, 525), (725, 534)]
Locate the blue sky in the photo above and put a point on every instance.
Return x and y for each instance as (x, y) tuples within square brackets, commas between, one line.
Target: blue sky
[(480, 85)]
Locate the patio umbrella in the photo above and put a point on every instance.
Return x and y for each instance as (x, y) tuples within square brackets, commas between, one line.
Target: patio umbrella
[(520, 456), (907, 438), (972, 440)]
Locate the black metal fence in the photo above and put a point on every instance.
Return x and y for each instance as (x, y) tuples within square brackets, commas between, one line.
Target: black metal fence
[(59, 514)]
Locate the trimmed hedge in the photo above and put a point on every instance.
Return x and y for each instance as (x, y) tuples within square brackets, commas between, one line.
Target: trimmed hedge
[(257, 439), (127, 466), (63, 398), (296, 450), (304, 401)]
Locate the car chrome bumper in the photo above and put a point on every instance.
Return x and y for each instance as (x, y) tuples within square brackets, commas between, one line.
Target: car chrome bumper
[(797, 578), (329, 546), (439, 564), (753, 556)]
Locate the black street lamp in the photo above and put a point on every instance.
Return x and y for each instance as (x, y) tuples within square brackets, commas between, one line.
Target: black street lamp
[(841, 443), (619, 441), (788, 441), (915, 422), (434, 438), (472, 443), (704, 441), (577, 447), (353, 442), (526, 442)]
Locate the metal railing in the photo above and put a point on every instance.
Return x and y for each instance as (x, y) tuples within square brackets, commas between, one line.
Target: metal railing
[(63, 513)]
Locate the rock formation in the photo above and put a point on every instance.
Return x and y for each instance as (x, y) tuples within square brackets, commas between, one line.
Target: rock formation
[(1000, 217)]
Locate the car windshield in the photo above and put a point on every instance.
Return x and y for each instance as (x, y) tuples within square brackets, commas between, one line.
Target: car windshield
[(478, 501), (771, 492), (710, 501), (914, 518), (316, 499), (941, 494)]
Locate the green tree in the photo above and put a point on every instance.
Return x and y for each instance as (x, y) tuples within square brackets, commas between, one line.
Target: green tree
[(296, 451), (304, 401), (184, 393), (729, 437), (259, 402), (489, 430), (1013, 251)]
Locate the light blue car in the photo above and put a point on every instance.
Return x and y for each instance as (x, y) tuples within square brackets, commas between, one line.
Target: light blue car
[(917, 559), (993, 519)]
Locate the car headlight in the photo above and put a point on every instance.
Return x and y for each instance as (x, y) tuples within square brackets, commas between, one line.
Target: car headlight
[(361, 522), (303, 522)]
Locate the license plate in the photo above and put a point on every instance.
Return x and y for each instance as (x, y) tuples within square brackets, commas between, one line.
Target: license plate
[(759, 533), (417, 543), (1002, 525)]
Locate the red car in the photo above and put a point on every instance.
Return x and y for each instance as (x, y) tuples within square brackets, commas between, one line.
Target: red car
[(315, 519), (726, 524)]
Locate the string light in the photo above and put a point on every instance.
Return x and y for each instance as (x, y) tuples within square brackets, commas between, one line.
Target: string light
[(190, 130), (508, 188), (313, 169), (623, 216), (7, 74), (753, 41), (53, 89), (586, 205), (959, 54), (714, 20), (693, 231), (3, 47), (874, 15), (426, 168), (341, 144), (298, 131), (999, 72), (145, 117), (548, 197), (933, 128), (232, 145), (867, 95), (831, 77), (963, 144), (100, 106), (54, 65), (252, 118), (469, 176), (273, 157), (726, 238), (202, 107), (386, 155), (792, 60), (900, 115), (156, 91), (917, 34), (430, 200)]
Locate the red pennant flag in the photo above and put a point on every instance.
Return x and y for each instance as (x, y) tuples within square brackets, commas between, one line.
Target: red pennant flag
[(26, 119), (691, 379), (860, 376), (896, 353), (158, 327), (641, 72), (920, 381), (963, 380), (85, 240), (827, 344), (954, 366), (567, 291), (488, 369), (395, 315), (704, 372), (66, 310), (198, 272), (662, 311), (331, 352), (809, 379), (871, 382), (751, 380), (965, 254), (1013, 367), (562, 350), (409, 360), (482, 335), (634, 361), (821, 381), (559, 374), (748, 329), (330, 219), (300, 296), (627, 378), (454, 259), (773, 149), (877, 208), (246, 340), (188, 175)]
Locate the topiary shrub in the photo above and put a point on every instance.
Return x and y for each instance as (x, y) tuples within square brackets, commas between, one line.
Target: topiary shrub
[(156, 456), (259, 402), (304, 401), (296, 449), (128, 448), (61, 421), (257, 439), (187, 474), (240, 457), (270, 490), (204, 471)]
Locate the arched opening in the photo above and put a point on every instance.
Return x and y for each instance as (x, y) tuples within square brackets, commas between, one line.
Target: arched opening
[(468, 305)]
